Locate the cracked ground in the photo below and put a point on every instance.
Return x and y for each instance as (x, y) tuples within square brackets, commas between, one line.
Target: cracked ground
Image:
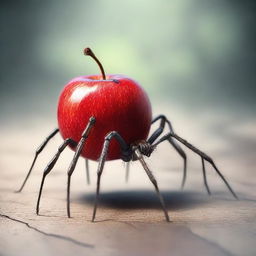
[(129, 219)]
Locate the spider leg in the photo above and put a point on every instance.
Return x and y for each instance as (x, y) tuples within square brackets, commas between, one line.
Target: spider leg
[(127, 171), (203, 156), (103, 156), (38, 151), (158, 132), (205, 180), (73, 163), (184, 156), (50, 166), (87, 171), (154, 182)]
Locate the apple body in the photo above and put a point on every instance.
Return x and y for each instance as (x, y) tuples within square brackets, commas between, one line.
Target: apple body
[(118, 104)]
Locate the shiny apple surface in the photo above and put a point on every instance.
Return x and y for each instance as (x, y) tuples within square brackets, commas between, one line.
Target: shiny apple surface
[(118, 104)]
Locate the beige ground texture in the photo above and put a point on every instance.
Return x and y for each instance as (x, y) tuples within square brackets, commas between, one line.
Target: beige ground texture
[(129, 220)]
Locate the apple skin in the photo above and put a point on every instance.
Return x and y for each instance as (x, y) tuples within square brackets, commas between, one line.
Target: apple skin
[(118, 104)]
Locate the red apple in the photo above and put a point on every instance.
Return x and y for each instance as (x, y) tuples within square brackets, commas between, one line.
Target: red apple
[(117, 102)]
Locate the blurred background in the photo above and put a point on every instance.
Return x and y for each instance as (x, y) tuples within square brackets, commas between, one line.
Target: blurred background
[(199, 55), (195, 58)]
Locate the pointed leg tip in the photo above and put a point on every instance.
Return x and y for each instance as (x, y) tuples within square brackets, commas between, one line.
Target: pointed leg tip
[(209, 193), (168, 219), (183, 183), (93, 216), (235, 195)]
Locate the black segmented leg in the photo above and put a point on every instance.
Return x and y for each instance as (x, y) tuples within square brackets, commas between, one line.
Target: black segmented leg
[(184, 156), (200, 153), (154, 182), (104, 153), (204, 175), (50, 166), (87, 171), (38, 151), (127, 171), (158, 132), (73, 163)]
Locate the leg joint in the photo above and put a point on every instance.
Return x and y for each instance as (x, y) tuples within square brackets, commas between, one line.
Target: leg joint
[(89, 126), (162, 117), (111, 135), (126, 151)]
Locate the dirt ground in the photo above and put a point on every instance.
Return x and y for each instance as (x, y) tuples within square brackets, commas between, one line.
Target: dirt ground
[(129, 219)]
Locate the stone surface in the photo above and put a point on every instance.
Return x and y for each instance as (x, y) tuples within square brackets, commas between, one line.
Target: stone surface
[(129, 219)]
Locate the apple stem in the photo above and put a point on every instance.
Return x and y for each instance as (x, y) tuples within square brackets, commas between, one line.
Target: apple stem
[(89, 52)]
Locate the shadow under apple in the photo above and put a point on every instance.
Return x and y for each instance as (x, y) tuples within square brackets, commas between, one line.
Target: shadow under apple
[(146, 199)]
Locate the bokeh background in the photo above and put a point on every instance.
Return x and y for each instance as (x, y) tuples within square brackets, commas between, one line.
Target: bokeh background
[(196, 54), (196, 59)]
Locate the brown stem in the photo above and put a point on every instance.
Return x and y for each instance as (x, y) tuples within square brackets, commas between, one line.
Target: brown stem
[(89, 52)]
